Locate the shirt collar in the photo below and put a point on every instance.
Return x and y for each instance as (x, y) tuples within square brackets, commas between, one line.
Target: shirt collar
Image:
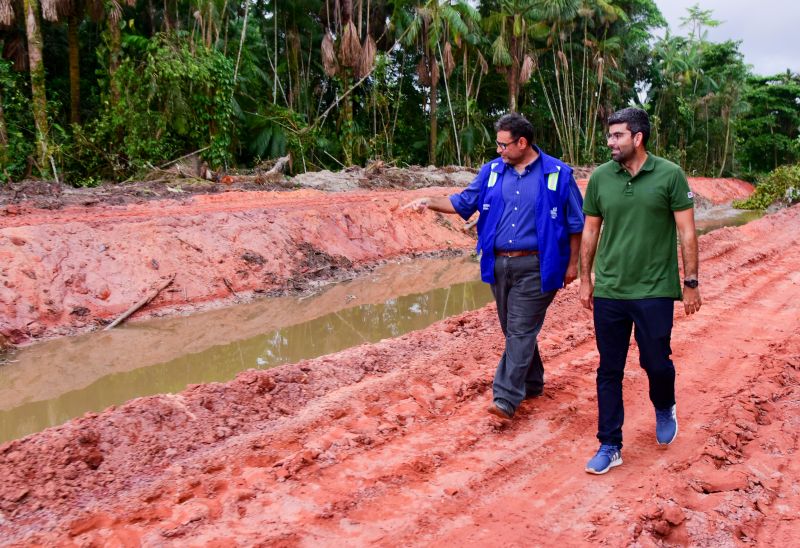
[(530, 166), (648, 165)]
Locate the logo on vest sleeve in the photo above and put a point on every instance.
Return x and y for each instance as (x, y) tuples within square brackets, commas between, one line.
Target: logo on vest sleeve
[(554, 213), (486, 207)]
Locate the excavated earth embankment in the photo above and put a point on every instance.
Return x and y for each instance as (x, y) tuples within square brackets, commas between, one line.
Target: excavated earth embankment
[(390, 443), (86, 261), (79, 267)]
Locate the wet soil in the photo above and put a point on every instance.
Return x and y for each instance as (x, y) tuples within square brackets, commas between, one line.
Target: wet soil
[(390, 443), (75, 259)]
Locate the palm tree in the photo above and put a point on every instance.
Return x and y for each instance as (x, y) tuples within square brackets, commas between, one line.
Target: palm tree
[(512, 50), (36, 63), (72, 11), (113, 11), (433, 26)]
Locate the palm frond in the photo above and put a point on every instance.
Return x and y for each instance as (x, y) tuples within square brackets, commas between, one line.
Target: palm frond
[(500, 55)]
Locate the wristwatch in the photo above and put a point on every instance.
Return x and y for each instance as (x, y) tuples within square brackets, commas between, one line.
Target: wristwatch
[(691, 283)]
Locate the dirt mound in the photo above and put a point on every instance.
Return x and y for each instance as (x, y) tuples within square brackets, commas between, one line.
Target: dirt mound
[(79, 267), (720, 191), (708, 192), (390, 443)]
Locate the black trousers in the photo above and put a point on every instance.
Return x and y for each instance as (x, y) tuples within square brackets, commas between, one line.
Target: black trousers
[(521, 308), (613, 320)]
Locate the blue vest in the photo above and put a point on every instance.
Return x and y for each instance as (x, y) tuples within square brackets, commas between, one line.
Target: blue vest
[(550, 212)]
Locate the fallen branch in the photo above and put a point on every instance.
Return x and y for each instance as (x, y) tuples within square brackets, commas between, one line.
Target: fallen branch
[(280, 165), (198, 151), (153, 294)]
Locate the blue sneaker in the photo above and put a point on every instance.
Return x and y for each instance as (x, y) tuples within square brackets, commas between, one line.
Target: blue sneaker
[(666, 425), (607, 457)]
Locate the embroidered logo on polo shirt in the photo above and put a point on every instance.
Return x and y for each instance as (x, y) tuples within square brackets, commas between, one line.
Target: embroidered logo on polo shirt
[(690, 194)]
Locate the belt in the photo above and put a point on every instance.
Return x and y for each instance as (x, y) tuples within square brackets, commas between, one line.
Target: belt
[(521, 253)]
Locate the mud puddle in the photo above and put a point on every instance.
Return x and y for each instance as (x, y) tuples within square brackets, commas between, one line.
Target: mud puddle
[(52, 382), (720, 216)]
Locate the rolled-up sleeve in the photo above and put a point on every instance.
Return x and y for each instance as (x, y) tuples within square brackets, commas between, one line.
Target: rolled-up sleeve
[(466, 202), (575, 216)]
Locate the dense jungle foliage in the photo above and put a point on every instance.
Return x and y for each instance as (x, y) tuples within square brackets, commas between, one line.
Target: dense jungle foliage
[(94, 90)]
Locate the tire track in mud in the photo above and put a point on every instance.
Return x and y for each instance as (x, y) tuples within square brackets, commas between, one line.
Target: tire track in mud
[(406, 454)]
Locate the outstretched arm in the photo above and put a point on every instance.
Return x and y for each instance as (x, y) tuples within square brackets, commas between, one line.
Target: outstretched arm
[(688, 237), (441, 204), (591, 235)]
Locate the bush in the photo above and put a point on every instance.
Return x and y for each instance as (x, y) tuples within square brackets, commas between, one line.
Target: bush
[(174, 100), (18, 123), (781, 185)]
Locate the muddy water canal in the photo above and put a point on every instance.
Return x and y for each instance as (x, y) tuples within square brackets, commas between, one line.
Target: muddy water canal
[(49, 383)]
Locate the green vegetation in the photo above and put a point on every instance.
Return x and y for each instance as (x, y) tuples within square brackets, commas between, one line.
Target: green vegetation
[(93, 91), (781, 185)]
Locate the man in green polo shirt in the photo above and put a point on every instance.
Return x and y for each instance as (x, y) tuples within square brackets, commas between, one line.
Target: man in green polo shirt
[(643, 204)]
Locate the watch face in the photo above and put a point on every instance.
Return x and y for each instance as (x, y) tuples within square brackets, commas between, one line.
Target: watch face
[(690, 283)]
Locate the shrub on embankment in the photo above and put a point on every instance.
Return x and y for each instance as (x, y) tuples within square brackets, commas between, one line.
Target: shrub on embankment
[(781, 185)]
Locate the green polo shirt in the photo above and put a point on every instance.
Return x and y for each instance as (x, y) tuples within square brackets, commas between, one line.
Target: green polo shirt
[(637, 257)]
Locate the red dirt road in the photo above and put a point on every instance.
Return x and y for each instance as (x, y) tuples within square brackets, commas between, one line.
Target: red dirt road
[(390, 444)]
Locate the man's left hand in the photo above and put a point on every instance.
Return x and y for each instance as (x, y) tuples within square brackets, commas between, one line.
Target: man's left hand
[(691, 300), (571, 275)]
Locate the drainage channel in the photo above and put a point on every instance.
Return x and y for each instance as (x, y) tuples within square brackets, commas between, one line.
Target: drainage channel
[(52, 382)]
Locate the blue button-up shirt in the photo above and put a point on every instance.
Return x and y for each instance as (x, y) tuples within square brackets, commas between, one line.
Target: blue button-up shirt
[(517, 227)]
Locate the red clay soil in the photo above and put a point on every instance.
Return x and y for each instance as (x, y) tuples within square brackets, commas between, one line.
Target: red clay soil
[(390, 443), (713, 191), (80, 266)]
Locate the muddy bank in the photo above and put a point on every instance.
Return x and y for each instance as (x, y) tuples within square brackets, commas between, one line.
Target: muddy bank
[(83, 261), (77, 268), (390, 443)]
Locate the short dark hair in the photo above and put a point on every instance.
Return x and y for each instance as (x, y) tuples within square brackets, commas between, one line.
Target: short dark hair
[(638, 121), (517, 125)]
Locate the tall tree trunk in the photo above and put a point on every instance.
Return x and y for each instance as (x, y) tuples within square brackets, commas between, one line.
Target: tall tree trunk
[(39, 103), (3, 131), (513, 75), (74, 70), (513, 84), (114, 53), (434, 97)]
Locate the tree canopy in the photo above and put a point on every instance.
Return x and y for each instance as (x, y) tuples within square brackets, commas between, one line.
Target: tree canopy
[(96, 90)]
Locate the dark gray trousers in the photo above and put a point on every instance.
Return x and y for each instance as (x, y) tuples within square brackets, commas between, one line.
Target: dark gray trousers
[(521, 308)]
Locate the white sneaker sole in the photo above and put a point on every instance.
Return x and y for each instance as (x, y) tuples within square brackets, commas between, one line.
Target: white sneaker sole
[(612, 464)]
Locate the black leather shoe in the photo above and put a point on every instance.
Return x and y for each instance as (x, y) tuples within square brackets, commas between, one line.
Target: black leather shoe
[(531, 395), (501, 408)]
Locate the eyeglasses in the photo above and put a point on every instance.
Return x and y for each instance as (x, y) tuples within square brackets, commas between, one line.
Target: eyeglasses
[(617, 135), (504, 146)]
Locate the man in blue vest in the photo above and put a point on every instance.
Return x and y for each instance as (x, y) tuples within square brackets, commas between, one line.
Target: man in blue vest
[(529, 234)]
